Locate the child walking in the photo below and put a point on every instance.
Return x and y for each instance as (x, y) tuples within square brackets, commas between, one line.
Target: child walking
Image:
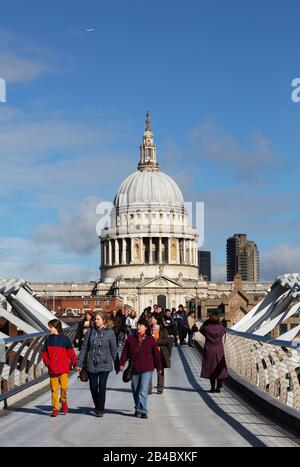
[(58, 353)]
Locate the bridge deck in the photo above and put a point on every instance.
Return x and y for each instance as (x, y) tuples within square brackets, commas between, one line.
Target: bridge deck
[(185, 415)]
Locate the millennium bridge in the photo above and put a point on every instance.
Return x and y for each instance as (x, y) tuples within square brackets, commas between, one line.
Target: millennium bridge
[(259, 405)]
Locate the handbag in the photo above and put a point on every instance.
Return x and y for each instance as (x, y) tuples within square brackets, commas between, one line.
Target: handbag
[(127, 373), (84, 374)]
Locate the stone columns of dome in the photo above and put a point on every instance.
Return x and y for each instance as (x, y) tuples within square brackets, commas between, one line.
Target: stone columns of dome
[(150, 251), (196, 253), (109, 253), (123, 251), (177, 252), (103, 253), (190, 252), (116, 251), (169, 250), (131, 251), (142, 251), (160, 250), (184, 251)]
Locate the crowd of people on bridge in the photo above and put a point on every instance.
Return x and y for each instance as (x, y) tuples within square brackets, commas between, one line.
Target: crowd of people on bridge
[(146, 343)]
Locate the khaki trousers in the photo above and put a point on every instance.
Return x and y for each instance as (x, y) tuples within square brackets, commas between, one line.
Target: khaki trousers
[(56, 382)]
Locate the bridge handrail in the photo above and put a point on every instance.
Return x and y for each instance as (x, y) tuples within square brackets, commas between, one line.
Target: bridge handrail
[(21, 364), (25, 337), (267, 340)]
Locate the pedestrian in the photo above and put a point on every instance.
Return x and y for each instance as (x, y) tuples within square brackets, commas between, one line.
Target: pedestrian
[(182, 324), (131, 322), (214, 365), (100, 350), (124, 331), (58, 353), (175, 317), (170, 325), (82, 329), (118, 325), (143, 355), (192, 327), (165, 344)]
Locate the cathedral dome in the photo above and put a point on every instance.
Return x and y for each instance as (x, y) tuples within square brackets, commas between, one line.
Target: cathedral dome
[(149, 187)]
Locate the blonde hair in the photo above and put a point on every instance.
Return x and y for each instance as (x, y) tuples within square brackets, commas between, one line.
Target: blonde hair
[(106, 319)]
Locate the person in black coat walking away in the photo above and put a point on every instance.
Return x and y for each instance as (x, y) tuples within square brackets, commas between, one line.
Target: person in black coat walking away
[(83, 327), (182, 324), (101, 350)]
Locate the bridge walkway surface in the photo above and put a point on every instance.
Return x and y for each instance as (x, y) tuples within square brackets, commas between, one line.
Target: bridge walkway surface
[(185, 415)]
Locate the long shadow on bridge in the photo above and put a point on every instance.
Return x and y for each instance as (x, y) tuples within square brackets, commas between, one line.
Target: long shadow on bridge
[(246, 434)]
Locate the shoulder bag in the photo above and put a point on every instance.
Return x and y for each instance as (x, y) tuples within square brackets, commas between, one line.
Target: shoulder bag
[(127, 373)]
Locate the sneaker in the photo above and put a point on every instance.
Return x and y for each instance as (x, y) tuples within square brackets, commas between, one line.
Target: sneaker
[(99, 413), (144, 415), (137, 414), (65, 408), (159, 392), (149, 393), (218, 390), (212, 390), (54, 413)]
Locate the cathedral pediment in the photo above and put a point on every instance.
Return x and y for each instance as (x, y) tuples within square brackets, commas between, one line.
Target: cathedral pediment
[(160, 281)]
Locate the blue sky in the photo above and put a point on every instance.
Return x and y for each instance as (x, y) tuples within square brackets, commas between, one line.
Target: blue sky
[(216, 77)]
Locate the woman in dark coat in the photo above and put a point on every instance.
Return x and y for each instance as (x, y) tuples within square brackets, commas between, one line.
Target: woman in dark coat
[(82, 329), (142, 352), (165, 344), (213, 365), (100, 350)]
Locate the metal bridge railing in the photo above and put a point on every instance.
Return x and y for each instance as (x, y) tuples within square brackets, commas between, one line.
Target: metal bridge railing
[(271, 365), (21, 364)]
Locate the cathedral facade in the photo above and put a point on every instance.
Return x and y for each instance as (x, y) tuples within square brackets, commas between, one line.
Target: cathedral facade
[(149, 253)]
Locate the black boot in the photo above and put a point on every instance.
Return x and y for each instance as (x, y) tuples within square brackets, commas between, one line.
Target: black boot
[(219, 385), (212, 385)]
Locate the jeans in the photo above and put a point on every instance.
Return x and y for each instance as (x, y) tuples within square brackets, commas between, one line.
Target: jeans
[(98, 388), (190, 336), (140, 384)]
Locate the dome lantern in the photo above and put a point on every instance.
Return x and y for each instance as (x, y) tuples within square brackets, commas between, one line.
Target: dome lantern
[(148, 149)]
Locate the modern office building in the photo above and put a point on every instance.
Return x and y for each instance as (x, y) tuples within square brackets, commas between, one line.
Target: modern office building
[(204, 262), (242, 257)]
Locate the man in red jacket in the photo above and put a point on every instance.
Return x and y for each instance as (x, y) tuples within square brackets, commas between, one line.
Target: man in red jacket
[(143, 355), (58, 353)]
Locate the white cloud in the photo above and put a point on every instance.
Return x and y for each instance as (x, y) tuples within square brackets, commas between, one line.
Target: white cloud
[(248, 164), (37, 262), (15, 68), (20, 61), (282, 259), (75, 234)]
